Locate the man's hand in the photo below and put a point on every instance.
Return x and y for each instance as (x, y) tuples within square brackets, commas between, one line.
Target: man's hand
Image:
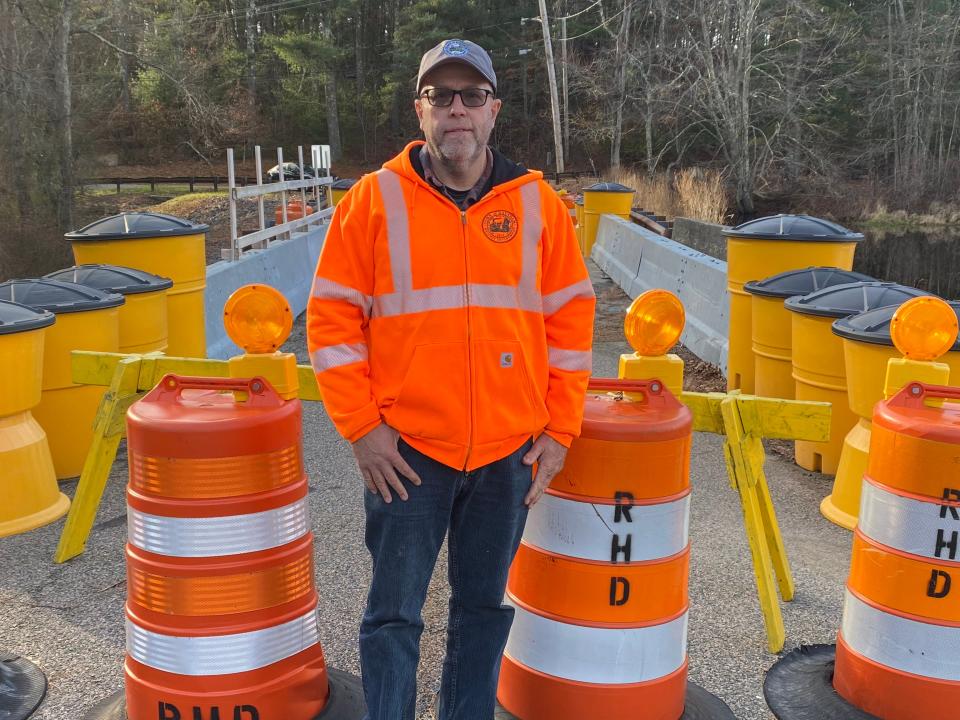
[(380, 461), (549, 456)]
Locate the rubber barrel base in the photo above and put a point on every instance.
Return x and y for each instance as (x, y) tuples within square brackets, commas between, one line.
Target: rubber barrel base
[(799, 686), (698, 705), (22, 687), (345, 702)]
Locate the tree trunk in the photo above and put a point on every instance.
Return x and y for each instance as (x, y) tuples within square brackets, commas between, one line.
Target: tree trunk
[(333, 114), (250, 35), (11, 108), (623, 43), (64, 116)]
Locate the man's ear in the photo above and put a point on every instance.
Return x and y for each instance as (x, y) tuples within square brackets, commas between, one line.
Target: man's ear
[(418, 106)]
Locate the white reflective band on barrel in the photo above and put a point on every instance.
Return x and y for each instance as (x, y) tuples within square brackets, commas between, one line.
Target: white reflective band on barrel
[(333, 356), (596, 655), (912, 526), (222, 654), (214, 536), (897, 642), (597, 532), (405, 299), (572, 360)]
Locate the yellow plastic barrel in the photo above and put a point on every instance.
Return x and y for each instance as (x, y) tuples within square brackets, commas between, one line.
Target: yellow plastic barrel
[(578, 217), (867, 347), (163, 245), (764, 247), (28, 483), (600, 199), (143, 317), (818, 364), (87, 319), (770, 321), (339, 188)]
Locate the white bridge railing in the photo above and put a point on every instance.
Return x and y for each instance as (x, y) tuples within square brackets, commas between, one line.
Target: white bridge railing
[(309, 190)]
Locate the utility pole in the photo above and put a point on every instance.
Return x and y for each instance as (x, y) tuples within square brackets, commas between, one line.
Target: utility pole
[(552, 75), (566, 93)]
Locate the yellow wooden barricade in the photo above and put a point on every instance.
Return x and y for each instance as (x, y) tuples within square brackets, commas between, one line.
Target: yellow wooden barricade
[(743, 419)]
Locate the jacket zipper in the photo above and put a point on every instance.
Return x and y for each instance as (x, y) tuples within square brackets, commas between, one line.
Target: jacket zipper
[(466, 288)]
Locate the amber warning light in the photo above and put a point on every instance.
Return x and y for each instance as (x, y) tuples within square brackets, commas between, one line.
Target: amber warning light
[(258, 318), (654, 322)]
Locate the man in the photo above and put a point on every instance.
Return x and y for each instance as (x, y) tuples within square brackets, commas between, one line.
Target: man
[(450, 328)]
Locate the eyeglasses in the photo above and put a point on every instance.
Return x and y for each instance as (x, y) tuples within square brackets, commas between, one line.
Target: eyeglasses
[(443, 97)]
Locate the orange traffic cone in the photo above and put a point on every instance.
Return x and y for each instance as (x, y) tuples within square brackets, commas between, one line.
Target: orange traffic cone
[(221, 605), (897, 655), (599, 584)]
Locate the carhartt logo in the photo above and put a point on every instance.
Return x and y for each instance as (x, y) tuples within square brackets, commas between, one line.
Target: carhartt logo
[(500, 226), (506, 360)]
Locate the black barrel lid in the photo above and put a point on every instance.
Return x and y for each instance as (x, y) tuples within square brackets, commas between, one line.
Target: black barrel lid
[(129, 226), (344, 183), (15, 318), (56, 296), (609, 187), (850, 298), (112, 278), (873, 326), (793, 227), (803, 282)]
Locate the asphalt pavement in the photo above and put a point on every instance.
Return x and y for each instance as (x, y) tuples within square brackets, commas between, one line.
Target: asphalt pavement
[(68, 618)]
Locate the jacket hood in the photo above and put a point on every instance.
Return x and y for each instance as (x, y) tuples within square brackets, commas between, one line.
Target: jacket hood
[(506, 173)]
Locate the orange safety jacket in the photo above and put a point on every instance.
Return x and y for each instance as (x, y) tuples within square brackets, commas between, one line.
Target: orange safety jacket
[(466, 331)]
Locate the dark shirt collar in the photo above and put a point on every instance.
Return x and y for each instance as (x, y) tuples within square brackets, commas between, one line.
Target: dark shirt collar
[(473, 194)]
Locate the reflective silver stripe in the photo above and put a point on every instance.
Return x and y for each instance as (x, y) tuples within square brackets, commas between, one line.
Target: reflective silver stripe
[(572, 360), (503, 296), (405, 300), (398, 230), (906, 524), (911, 646), (222, 654), (532, 230), (585, 530), (325, 289), (447, 297), (336, 355), (557, 299), (593, 654), (215, 536)]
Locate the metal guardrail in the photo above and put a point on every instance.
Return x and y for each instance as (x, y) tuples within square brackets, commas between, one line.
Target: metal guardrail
[(191, 180)]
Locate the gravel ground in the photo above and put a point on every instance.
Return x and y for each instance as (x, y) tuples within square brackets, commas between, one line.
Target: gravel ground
[(69, 618)]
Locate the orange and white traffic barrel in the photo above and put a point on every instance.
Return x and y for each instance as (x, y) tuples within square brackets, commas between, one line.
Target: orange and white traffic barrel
[(221, 605), (599, 583), (898, 650)]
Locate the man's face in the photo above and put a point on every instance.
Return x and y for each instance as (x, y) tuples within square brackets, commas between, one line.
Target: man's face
[(456, 134)]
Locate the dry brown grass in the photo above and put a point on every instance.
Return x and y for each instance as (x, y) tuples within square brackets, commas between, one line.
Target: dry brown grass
[(693, 193)]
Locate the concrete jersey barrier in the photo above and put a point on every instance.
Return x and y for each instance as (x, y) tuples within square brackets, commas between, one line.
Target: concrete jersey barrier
[(639, 260), (288, 266)]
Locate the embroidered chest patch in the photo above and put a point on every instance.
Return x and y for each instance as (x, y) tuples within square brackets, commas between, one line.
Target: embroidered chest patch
[(500, 226)]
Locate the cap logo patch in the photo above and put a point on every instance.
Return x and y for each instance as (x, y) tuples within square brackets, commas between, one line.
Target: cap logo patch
[(500, 226), (456, 48)]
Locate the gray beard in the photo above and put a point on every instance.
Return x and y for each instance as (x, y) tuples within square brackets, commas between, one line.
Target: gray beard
[(452, 165)]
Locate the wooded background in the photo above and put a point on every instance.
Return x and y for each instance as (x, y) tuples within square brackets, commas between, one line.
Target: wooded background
[(785, 97)]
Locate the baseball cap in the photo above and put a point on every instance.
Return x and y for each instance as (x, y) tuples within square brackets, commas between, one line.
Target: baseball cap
[(459, 51)]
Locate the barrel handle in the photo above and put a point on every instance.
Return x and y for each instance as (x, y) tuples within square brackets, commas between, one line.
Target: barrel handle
[(259, 392), (915, 394), (652, 391)]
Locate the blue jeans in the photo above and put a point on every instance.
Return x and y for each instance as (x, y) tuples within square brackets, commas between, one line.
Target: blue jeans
[(484, 513)]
